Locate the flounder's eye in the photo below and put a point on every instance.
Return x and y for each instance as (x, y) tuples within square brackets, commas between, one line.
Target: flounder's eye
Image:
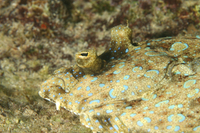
[(84, 54), (89, 61)]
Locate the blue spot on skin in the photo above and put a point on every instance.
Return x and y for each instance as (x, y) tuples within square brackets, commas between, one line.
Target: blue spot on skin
[(156, 128), (146, 108), (169, 127), (158, 104), (77, 102), (93, 101), (197, 36), (148, 86), (126, 87), (132, 115), (94, 79), (132, 93), (123, 114), (188, 83), (113, 66), (176, 44), (153, 53), (53, 95), (110, 93), (169, 118), (96, 121), (118, 81), (87, 119), (129, 107), (70, 103), (126, 77), (197, 90), (139, 123), (144, 99), (79, 88), (43, 90), (121, 66), (126, 51), (176, 128), (100, 127), (61, 97), (116, 72), (189, 95), (147, 119), (148, 43), (116, 127), (154, 96), (91, 110), (90, 94), (109, 111), (195, 129), (180, 105), (140, 68), (87, 88), (116, 119), (137, 48), (171, 107), (157, 72), (101, 85), (182, 117)]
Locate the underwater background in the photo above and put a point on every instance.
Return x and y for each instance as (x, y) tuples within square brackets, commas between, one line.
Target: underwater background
[(38, 37)]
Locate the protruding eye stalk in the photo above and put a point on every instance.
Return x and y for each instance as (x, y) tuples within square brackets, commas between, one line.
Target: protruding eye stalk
[(89, 61), (121, 39)]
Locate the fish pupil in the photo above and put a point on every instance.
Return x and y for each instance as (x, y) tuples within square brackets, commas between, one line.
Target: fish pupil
[(84, 54)]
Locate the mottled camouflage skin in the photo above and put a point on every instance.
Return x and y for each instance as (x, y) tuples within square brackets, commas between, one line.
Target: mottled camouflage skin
[(151, 86)]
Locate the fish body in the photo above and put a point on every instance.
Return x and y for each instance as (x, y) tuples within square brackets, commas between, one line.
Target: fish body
[(151, 86)]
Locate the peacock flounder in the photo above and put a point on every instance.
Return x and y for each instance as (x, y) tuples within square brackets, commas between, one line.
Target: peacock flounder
[(152, 86)]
